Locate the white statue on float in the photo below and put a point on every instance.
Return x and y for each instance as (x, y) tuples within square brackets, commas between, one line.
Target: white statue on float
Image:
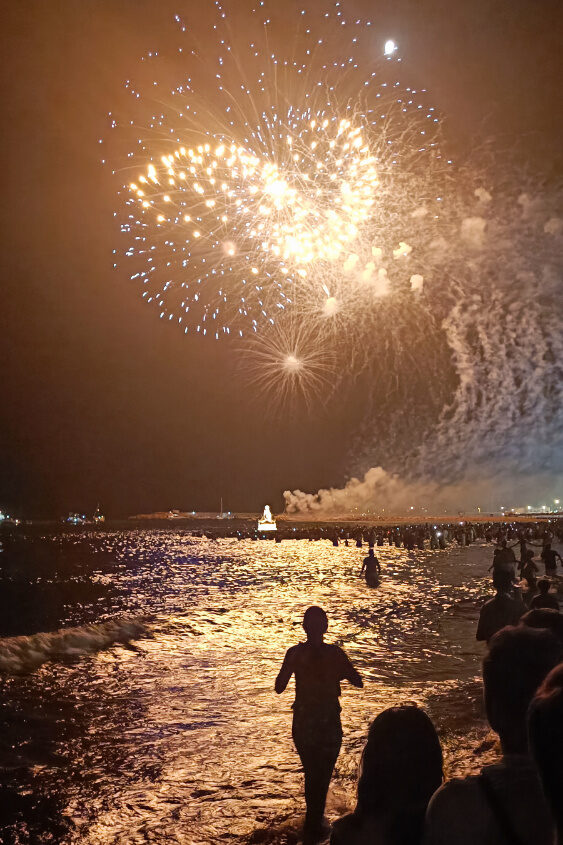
[(267, 522)]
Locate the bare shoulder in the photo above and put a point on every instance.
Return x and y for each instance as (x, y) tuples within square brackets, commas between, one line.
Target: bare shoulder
[(292, 652)]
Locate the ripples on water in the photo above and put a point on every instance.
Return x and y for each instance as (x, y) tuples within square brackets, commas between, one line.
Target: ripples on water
[(178, 736)]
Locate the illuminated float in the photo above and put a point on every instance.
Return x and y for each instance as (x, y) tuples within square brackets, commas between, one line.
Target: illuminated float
[(267, 522)]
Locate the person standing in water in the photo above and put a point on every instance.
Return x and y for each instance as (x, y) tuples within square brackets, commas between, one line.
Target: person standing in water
[(549, 557), (503, 558), (372, 569), (528, 571), (317, 732)]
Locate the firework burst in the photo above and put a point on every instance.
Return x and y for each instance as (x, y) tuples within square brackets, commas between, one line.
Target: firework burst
[(286, 366), (281, 173)]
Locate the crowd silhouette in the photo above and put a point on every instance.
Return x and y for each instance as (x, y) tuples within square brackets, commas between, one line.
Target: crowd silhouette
[(402, 798)]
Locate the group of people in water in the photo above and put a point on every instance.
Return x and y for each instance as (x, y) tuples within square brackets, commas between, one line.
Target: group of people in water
[(412, 536), (401, 797), (513, 598)]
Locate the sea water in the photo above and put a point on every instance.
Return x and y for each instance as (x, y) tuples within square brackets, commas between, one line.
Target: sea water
[(137, 671)]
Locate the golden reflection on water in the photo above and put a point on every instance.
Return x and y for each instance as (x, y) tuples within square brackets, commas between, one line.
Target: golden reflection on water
[(184, 739)]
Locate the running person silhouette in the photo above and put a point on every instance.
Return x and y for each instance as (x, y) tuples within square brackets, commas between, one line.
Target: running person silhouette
[(317, 733)]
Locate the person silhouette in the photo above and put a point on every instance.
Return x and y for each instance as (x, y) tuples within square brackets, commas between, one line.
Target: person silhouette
[(503, 559), (545, 730), (544, 599), (505, 803), (528, 570), (372, 569), (504, 609), (549, 557), (317, 732), (401, 768)]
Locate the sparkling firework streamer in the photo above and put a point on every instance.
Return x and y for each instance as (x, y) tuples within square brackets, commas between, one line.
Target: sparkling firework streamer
[(490, 396), (287, 367), (481, 425), (282, 168)]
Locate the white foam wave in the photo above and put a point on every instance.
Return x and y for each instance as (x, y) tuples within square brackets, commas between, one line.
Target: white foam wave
[(27, 653)]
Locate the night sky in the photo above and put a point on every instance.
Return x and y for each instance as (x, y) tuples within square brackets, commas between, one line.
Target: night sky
[(103, 402)]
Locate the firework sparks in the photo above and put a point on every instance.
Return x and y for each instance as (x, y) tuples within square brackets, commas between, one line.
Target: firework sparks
[(276, 181), (287, 364), (290, 216), (286, 187)]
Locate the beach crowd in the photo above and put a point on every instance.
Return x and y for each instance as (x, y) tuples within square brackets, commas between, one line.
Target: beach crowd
[(401, 796)]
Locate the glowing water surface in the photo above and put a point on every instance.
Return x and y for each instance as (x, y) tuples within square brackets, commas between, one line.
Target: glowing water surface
[(179, 737)]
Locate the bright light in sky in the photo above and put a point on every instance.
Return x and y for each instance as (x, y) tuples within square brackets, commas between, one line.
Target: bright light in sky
[(292, 364), (389, 48), (330, 306)]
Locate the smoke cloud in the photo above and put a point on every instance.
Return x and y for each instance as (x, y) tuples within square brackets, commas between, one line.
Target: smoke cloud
[(496, 283), (380, 492)]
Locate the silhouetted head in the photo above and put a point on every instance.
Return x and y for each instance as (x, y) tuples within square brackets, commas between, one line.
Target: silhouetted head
[(371, 552), (401, 769), (315, 622), (518, 661), (545, 617), (543, 586), (502, 580), (503, 544), (529, 554), (547, 546), (545, 729)]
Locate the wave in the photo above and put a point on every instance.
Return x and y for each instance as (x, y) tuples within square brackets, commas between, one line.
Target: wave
[(26, 653)]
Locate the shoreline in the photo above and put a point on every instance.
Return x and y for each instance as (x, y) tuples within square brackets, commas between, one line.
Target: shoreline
[(249, 521)]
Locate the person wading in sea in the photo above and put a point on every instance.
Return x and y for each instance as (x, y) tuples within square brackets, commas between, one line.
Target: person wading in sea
[(317, 733), (549, 557), (372, 569)]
